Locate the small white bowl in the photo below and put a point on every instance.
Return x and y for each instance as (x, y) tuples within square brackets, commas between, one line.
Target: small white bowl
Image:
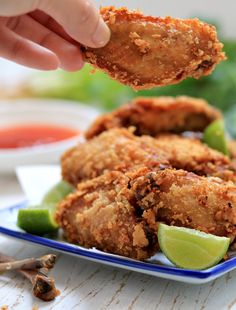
[(42, 111)]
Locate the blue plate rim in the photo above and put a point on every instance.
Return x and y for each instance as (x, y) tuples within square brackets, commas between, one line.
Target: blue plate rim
[(217, 270)]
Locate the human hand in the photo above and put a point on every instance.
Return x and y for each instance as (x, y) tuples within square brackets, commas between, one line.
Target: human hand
[(44, 34)]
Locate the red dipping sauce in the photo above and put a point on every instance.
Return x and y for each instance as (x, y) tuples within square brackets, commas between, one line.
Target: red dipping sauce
[(32, 135)]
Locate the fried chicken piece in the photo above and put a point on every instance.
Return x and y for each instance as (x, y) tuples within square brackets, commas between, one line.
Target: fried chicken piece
[(181, 198), (100, 215), (232, 148), (232, 151), (116, 149), (146, 51), (153, 115), (119, 213), (194, 156)]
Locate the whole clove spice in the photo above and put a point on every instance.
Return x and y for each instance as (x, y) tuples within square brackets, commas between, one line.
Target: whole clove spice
[(43, 287)]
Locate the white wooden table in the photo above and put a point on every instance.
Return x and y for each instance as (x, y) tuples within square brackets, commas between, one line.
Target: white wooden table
[(88, 285)]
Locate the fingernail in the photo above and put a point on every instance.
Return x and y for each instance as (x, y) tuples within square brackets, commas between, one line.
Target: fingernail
[(101, 35)]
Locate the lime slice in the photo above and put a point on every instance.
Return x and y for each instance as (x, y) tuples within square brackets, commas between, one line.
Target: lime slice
[(214, 137), (37, 220), (57, 193), (190, 248)]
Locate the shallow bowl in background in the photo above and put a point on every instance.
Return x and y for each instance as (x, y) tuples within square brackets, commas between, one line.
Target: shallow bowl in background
[(42, 111)]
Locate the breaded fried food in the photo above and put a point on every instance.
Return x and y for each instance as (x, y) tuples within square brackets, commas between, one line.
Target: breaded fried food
[(153, 115), (232, 149), (145, 51), (194, 156), (181, 198), (116, 149), (100, 215), (119, 213), (232, 152)]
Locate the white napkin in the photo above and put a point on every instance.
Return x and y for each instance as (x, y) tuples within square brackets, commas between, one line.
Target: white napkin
[(37, 180)]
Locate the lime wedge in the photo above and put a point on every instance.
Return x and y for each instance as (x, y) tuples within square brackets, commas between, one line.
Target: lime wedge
[(37, 220), (214, 137), (190, 248), (57, 193)]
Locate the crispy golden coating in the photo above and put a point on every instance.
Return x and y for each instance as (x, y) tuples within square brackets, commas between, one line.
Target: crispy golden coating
[(232, 148), (116, 149), (153, 115), (119, 213), (146, 52), (182, 198), (232, 151), (100, 215), (194, 156)]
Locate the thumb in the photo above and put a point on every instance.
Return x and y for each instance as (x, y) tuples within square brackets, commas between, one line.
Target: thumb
[(80, 19)]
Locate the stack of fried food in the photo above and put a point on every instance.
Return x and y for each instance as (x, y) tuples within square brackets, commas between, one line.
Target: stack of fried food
[(144, 164)]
